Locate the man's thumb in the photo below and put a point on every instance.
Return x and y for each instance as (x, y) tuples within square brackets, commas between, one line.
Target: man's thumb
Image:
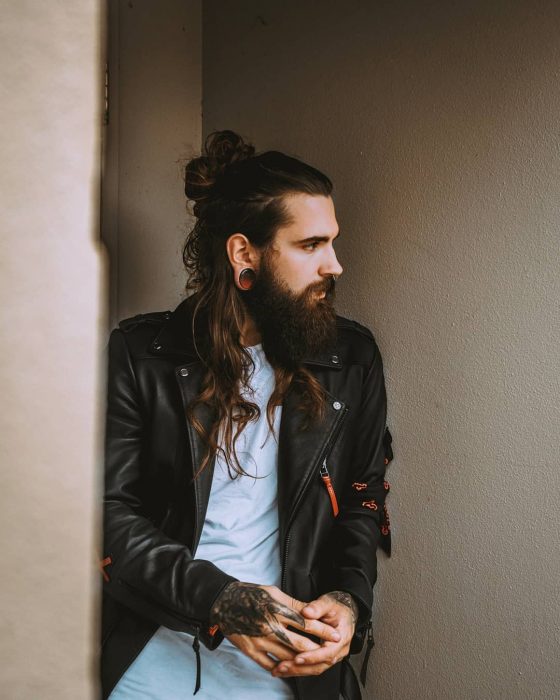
[(315, 609)]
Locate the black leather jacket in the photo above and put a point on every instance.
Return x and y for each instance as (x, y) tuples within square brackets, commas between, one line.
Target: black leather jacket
[(154, 511)]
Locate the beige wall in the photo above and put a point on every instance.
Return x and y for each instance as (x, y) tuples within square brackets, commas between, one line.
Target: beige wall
[(438, 123), (155, 123), (52, 307)]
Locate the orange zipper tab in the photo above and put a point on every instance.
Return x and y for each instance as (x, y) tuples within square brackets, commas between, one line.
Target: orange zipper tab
[(325, 476), (102, 564)]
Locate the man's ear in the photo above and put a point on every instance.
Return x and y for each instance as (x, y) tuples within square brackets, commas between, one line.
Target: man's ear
[(242, 254)]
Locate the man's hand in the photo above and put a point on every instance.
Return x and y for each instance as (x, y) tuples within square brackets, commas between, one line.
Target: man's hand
[(337, 609), (256, 619)]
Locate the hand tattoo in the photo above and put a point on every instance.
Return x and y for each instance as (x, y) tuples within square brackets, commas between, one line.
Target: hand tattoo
[(245, 608), (346, 599)]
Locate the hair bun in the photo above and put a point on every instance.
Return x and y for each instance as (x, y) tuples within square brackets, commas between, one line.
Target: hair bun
[(221, 149), (227, 147)]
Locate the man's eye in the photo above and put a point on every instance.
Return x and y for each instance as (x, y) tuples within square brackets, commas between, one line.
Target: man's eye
[(311, 246)]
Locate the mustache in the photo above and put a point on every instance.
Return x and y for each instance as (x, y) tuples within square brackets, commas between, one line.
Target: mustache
[(328, 286)]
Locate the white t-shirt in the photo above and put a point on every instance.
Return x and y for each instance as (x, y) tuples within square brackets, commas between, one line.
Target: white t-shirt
[(240, 536)]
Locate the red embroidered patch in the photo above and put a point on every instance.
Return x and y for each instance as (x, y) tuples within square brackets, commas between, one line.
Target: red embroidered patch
[(212, 630), (386, 485), (387, 522), (359, 486), (372, 505)]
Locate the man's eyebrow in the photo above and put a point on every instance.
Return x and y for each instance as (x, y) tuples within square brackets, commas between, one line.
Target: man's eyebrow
[(317, 239)]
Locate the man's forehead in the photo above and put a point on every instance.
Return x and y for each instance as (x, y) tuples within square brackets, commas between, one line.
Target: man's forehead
[(311, 216)]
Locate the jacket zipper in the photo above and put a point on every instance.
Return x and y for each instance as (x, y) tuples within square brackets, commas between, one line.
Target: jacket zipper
[(196, 647), (197, 530), (369, 647), (325, 452)]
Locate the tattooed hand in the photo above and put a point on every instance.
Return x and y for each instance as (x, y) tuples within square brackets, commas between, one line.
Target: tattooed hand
[(337, 609), (256, 619)]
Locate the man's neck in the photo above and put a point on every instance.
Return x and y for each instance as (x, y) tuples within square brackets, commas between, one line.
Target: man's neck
[(250, 334)]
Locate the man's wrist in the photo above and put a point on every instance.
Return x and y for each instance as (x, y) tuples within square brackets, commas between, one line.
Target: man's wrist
[(215, 609)]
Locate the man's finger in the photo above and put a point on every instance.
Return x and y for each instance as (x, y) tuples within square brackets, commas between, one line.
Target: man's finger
[(293, 670), (277, 651), (284, 598), (264, 660), (299, 643), (289, 613), (320, 629), (318, 608), (281, 634), (328, 653)]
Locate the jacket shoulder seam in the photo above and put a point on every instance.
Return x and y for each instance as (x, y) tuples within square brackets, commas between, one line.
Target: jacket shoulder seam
[(349, 324), (154, 318)]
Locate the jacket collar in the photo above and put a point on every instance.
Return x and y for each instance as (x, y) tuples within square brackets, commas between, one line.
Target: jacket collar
[(176, 337)]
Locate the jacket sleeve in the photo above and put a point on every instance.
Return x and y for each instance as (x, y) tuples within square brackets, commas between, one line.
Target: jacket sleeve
[(143, 568), (363, 515)]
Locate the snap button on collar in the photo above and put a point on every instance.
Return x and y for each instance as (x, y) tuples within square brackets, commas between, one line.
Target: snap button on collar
[(337, 405)]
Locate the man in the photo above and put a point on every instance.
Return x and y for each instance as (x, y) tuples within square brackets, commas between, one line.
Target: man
[(246, 451)]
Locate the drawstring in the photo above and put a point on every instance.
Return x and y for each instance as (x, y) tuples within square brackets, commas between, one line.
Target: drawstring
[(369, 647), (196, 647)]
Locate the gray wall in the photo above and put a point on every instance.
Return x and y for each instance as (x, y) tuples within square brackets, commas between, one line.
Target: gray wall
[(438, 122), (155, 123)]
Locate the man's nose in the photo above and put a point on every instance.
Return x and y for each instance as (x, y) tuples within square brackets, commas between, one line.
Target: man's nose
[(331, 266)]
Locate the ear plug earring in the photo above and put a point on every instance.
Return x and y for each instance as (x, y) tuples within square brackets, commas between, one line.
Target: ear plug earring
[(247, 278)]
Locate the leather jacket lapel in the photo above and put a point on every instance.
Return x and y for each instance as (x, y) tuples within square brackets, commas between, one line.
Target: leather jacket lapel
[(189, 378), (300, 453)]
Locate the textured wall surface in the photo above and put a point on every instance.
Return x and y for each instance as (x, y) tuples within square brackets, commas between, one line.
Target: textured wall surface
[(52, 309), (438, 122), (154, 125)]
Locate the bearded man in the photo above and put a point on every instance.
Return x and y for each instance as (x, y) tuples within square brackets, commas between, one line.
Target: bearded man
[(246, 451)]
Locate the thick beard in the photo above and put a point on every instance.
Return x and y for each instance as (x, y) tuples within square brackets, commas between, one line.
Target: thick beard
[(292, 326)]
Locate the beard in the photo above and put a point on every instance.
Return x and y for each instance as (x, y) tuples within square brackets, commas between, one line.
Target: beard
[(292, 325)]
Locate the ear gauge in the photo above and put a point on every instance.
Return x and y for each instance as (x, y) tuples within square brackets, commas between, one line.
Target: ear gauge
[(247, 278)]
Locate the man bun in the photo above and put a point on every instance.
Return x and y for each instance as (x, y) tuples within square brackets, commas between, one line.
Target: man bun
[(221, 149)]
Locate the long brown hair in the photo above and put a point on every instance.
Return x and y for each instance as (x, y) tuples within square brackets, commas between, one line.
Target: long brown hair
[(234, 189)]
